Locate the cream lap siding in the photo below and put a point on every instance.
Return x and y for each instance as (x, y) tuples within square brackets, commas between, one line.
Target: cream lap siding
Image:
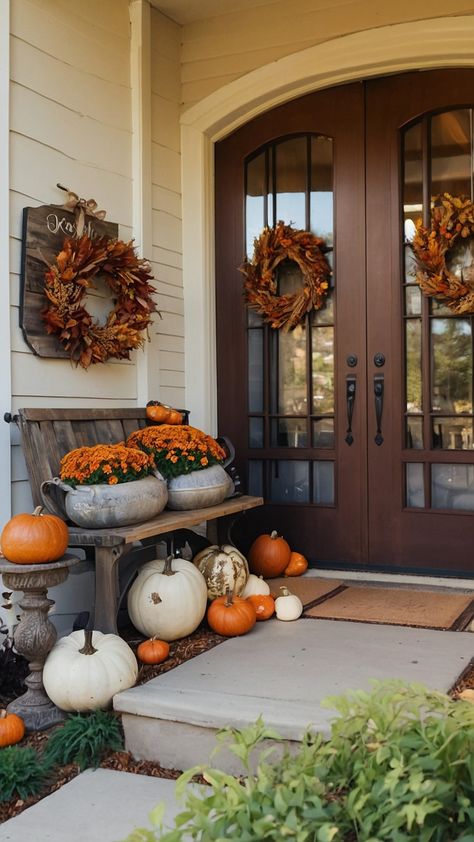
[(219, 49), (166, 355)]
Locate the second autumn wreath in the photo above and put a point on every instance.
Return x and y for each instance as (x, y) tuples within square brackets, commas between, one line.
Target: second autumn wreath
[(271, 248)]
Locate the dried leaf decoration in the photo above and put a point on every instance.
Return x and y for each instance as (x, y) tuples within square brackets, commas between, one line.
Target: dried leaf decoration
[(66, 283), (274, 245), (452, 219)]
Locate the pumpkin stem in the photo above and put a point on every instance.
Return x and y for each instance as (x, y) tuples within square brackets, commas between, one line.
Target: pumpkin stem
[(274, 535), (88, 648), (285, 591), (3, 714), (37, 511), (229, 598), (168, 570)]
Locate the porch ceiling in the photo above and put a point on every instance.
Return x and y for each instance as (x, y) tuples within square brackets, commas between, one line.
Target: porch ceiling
[(188, 11)]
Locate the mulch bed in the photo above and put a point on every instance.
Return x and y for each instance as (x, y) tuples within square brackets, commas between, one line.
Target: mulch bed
[(180, 651)]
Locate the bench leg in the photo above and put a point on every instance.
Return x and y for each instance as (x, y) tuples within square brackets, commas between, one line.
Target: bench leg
[(106, 588)]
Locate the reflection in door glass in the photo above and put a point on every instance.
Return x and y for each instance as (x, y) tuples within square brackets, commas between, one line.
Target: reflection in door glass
[(255, 200), (452, 433), (413, 301), (323, 433), (289, 432), (414, 437), (452, 487), (451, 360), (291, 181), (321, 196), (413, 365), (323, 370), (413, 179), (255, 477), (323, 483), (288, 383), (289, 481), (415, 485), (255, 432), (451, 165), (255, 370)]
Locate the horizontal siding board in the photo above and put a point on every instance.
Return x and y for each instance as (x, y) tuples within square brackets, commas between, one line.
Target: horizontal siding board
[(22, 499), (168, 342), (173, 396), (172, 361), (165, 257), (165, 80), (174, 379), (166, 231), (109, 15), (165, 36), (89, 48), (19, 471), (82, 138), (62, 402), (171, 324), (100, 99), (169, 305), (47, 378), (165, 122), (167, 200), (168, 275), (166, 168)]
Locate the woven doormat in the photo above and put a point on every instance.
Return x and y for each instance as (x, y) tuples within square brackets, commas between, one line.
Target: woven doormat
[(309, 588), (397, 606)]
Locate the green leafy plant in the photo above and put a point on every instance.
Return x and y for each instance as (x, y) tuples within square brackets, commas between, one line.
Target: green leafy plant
[(83, 739), (398, 766), (22, 772)]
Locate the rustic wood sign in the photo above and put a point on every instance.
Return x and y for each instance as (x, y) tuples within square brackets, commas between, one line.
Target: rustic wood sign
[(44, 231)]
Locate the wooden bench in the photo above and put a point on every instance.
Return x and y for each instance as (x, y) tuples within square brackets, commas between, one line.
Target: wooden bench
[(48, 434)]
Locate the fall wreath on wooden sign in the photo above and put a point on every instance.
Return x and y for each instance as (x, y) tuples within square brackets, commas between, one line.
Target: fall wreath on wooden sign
[(452, 220), (66, 283), (271, 248)]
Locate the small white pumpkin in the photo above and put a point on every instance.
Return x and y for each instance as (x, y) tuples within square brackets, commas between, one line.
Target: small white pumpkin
[(168, 599), (224, 568), (255, 586), (288, 606), (86, 669)]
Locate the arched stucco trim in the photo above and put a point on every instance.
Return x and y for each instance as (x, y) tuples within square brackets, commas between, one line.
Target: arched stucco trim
[(423, 45)]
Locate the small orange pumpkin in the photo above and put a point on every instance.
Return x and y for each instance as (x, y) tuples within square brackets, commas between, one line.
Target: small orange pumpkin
[(175, 417), (160, 413), (153, 651), (34, 539), (264, 605), (297, 566), (231, 615), (269, 555), (12, 728)]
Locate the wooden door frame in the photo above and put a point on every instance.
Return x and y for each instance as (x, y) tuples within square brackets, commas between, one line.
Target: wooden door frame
[(430, 43)]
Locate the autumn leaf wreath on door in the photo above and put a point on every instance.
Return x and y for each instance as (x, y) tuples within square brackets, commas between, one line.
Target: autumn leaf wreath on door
[(444, 253), (273, 246), (66, 283)]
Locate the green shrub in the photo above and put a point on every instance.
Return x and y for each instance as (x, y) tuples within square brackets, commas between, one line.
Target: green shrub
[(22, 773), (84, 739), (398, 766)]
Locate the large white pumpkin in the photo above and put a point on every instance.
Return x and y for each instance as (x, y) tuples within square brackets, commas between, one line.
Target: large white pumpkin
[(224, 568), (85, 670), (168, 599)]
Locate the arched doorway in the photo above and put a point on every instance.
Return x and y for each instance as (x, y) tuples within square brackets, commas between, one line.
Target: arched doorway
[(354, 163)]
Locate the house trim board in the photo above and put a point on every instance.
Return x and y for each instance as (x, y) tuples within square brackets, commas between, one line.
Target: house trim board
[(5, 337)]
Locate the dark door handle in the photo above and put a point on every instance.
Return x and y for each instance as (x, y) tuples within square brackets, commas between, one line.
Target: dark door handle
[(350, 401), (378, 392)]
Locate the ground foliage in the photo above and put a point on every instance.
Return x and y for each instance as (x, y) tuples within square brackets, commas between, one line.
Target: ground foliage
[(84, 739), (22, 772), (398, 766)]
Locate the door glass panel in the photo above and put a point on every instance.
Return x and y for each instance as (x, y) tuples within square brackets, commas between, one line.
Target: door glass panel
[(289, 433), (321, 196), (291, 181), (415, 487), (413, 366), (452, 433), (413, 301), (452, 487), (288, 386), (324, 316), (255, 200), (415, 433), (323, 483), (323, 433), (255, 432), (289, 481), (255, 482), (451, 359), (413, 179), (451, 166), (255, 370), (323, 370)]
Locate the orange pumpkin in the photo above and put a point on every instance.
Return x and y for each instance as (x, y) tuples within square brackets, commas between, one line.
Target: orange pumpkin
[(158, 413), (298, 565), (264, 605), (12, 728), (175, 417), (153, 651), (269, 555), (34, 539), (231, 615)]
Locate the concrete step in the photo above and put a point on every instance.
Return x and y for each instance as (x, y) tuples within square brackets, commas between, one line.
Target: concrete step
[(281, 671)]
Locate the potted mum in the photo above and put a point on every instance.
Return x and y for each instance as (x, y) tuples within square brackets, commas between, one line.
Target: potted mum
[(192, 463), (106, 485)]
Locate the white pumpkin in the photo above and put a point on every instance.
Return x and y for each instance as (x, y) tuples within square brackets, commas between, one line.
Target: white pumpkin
[(224, 568), (168, 599), (85, 670), (255, 586), (288, 606)]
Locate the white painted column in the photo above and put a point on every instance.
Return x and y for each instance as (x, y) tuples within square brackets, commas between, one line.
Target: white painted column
[(140, 79), (5, 346)]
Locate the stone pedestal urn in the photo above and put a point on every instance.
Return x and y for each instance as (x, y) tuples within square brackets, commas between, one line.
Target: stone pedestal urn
[(35, 634)]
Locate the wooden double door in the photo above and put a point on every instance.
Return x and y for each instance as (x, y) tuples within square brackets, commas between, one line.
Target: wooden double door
[(356, 427)]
